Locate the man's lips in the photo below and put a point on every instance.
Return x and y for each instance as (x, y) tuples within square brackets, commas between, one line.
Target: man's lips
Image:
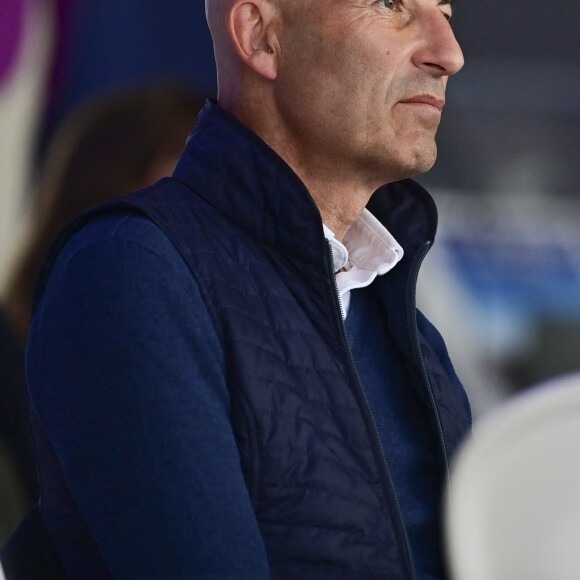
[(425, 100)]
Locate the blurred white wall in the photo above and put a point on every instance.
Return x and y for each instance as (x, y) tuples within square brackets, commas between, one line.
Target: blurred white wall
[(21, 100)]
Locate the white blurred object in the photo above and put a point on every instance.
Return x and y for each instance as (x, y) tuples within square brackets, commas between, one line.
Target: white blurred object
[(513, 509), (21, 101)]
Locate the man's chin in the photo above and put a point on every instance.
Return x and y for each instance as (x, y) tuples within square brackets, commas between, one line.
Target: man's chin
[(424, 159), (417, 163)]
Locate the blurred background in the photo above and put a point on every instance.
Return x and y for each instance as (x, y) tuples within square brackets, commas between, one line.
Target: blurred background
[(503, 281)]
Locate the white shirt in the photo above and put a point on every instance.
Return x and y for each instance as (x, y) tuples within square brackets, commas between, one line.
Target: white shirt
[(368, 251)]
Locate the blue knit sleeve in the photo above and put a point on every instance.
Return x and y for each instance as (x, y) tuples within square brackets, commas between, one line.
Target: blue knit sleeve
[(126, 375)]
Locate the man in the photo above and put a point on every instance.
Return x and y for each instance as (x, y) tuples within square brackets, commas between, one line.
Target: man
[(229, 376)]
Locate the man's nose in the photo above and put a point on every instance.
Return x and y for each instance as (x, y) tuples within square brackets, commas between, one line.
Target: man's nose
[(439, 52)]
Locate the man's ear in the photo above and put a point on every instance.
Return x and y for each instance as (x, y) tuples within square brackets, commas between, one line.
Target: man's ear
[(251, 25)]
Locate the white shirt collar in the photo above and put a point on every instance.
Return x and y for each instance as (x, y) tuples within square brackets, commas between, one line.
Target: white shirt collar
[(369, 250)]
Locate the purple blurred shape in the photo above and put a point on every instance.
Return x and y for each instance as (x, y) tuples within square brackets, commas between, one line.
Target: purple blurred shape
[(11, 20)]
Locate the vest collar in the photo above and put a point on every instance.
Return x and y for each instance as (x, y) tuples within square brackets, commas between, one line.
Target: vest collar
[(224, 161)]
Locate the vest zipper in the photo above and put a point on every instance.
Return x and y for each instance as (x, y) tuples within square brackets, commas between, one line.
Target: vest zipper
[(370, 415), (419, 355)]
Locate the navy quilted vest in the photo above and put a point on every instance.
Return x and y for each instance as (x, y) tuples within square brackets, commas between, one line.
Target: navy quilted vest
[(252, 236)]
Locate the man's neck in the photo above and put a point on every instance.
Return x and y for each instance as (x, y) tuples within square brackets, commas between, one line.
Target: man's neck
[(340, 202), (340, 191)]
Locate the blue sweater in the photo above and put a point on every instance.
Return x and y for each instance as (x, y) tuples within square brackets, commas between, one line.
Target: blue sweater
[(410, 446), (130, 418)]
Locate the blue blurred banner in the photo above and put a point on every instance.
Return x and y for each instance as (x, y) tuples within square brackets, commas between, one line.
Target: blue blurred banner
[(108, 44)]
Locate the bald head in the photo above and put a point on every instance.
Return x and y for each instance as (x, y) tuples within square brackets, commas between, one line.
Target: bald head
[(246, 39), (219, 21), (217, 14), (215, 11), (348, 92)]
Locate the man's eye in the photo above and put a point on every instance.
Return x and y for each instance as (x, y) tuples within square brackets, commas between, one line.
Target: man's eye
[(447, 10), (390, 4)]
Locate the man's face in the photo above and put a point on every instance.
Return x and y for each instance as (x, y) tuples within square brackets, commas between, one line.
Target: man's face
[(361, 83)]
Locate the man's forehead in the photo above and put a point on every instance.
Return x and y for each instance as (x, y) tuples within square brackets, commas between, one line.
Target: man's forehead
[(223, 3), (439, 3)]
